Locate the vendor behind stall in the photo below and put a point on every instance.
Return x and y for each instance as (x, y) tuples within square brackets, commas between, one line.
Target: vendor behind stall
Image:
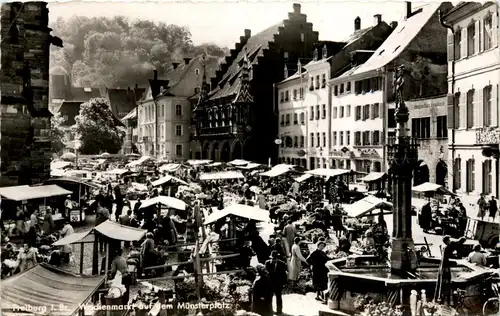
[(119, 263), (67, 250)]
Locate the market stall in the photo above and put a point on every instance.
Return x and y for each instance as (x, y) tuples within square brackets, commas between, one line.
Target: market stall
[(366, 207), (239, 210), (169, 202), (276, 171), (239, 162), (46, 288), (224, 175), (198, 162), (375, 180), (170, 167)]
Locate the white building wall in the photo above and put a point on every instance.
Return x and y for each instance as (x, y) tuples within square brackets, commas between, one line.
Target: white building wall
[(475, 72)]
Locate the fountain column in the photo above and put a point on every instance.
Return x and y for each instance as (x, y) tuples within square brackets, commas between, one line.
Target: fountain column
[(403, 156)]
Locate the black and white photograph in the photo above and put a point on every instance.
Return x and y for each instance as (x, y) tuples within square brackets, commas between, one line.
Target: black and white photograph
[(249, 158)]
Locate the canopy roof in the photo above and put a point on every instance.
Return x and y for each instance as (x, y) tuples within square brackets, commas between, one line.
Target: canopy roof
[(168, 201), (166, 179), (277, 170), (240, 210), (26, 192), (429, 187), (250, 166), (221, 175), (214, 164), (73, 238), (73, 180), (120, 232), (329, 172), (170, 167), (198, 162), (59, 164), (239, 162), (46, 286), (366, 205), (373, 176), (303, 177), (139, 161)]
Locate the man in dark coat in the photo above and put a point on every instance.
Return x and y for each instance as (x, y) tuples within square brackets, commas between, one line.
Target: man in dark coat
[(277, 270), (262, 296), (278, 247)]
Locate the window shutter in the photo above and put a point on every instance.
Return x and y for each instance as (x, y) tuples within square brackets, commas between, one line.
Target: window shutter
[(381, 110), (478, 107), (463, 43), (494, 105), (481, 35), (463, 110), (450, 111), (450, 42), (494, 28), (477, 36)]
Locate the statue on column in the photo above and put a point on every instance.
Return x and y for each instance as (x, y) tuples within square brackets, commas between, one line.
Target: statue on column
[(398, 84)]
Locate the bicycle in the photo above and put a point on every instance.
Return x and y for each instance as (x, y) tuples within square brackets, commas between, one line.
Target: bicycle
[(492, 305)]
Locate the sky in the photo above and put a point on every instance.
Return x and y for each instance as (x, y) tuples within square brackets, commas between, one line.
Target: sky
[(223, 22)]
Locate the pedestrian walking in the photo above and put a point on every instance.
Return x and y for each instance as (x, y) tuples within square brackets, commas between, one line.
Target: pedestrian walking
[(493, 208), (482, 205), (277, 270), (262, 296)]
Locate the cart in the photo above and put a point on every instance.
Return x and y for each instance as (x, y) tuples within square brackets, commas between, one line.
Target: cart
[(483, 231)]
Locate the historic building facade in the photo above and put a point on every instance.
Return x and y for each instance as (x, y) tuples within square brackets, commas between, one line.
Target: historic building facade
[(473, 107), (238, 117), (25, 117), (362, 113), (164, 113)]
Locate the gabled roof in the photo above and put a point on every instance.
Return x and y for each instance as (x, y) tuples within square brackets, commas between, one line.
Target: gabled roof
[(254, 48), (84, 94), (356, 36), (131, 115), (295, 76), (121, 101), (399, 39)]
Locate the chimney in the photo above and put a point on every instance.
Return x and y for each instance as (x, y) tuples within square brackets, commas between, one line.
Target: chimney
[(187, 60), (296, 8), (357, 24), (175, 65), (377, 19), (248, 33), (286, 71), (155, 74), (407, 10), (394, 25), (299, 67), (324, 53)]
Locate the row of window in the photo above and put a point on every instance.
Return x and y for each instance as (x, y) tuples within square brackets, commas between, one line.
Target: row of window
[(147, 113), (285, 119), (421, 127), (149, 149), (475, 38), (148, 131), (470, 175), (360, 86), (317, 84), (297, 94), (366, 112)]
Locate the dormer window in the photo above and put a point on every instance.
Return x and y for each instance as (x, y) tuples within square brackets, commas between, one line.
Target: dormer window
[(197, 71)]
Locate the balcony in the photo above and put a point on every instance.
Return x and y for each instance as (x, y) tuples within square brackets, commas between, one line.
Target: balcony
[(488, 136)]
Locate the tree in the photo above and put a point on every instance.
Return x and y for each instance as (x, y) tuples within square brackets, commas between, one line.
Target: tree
[(98, 129), (57, 133), (117, 52)]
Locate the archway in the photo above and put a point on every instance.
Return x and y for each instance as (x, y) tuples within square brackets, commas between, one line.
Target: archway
[(224, 152), (421, 173), (237, 152), (249, 150), (214, 154), (206, 150), (441, 172)]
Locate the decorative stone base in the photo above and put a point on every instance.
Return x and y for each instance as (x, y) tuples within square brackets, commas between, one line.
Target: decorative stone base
[(399, 254)]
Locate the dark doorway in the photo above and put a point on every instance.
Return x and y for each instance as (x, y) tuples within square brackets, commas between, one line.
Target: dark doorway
[(213, 155), (224, 152), (421, 173), (206, 153), (441, 172), (237, 151)]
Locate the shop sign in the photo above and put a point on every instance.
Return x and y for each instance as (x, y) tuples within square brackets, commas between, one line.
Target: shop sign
[(74, 216)]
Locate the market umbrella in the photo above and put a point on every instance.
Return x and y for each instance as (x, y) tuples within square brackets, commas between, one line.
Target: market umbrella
[(168, 201), (105, 154), (240, 210), (239, 162), (131, 155), (68, 156), (166, 179)]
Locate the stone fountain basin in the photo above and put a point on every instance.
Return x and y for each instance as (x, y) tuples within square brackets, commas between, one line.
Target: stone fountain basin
[(368, 277)]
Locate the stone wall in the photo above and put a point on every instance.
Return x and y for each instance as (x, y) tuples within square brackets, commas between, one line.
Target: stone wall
[(25, 118)]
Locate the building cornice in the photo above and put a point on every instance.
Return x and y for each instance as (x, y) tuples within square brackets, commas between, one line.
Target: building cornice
[(464, 10)]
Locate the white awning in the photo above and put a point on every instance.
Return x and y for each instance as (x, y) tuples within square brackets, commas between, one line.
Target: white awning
[(366, 205), (54, 165), (215, 164), (199, 162), (139, 161), (221, 175), (373, 176), (71, 239), (120, 232), (26, 192), (303, 177), (429, 187), (250, 166), (239, 162), (240, 210), (329, 172), (166, 179), (277, 170), (171, 167), (168, 201)]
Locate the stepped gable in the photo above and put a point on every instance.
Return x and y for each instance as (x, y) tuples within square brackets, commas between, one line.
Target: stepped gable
[(400, 38), (255, 47)]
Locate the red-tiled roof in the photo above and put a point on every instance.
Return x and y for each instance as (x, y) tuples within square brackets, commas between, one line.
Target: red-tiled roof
[(254, 48)]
